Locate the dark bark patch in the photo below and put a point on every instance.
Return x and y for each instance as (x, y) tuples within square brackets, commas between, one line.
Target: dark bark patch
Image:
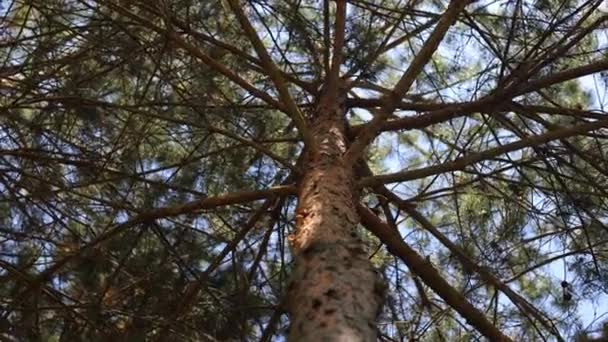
[(331, 268), (323, 325), (333, 192), (329, 311), (331, 293), (356, 250), (380, 288), (309, 251), (316, 304)]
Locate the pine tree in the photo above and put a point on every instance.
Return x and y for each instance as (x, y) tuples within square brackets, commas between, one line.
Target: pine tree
[(316, 170)]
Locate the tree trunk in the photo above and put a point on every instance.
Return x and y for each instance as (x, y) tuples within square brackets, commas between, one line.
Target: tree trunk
[(334, 294)]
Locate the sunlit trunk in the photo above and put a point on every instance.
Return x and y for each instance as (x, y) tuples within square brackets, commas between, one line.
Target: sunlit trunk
[(335, 293)]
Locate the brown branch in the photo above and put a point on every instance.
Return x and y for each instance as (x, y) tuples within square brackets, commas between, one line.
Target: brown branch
[(190, 294), (392, 100), (444, 112), (337, 53), (464, 259), (273, 71), (206, 59), (240, 53), (469, 264), (165, 212), (584, 250), (429, 275), (413, 106), (216, 201), (53, 294), (326, 38), (578, 113), (252, 144), (564, 76), (463, 162), (409, 35)]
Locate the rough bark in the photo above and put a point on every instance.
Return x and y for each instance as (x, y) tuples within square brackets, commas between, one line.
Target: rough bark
[(334, 294)]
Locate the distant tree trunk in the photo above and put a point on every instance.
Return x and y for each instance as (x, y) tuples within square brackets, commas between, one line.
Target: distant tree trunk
[(335, 294)]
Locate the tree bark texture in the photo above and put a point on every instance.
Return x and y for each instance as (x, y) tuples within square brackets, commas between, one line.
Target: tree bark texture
[(335, 294)]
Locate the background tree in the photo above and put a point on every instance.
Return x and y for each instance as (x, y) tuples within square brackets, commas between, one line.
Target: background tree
[(246, 170)]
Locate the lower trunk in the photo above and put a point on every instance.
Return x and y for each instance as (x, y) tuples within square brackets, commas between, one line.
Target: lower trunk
[(335, 294)]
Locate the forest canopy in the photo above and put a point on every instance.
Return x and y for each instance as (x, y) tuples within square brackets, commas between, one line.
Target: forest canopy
[(182, 170)]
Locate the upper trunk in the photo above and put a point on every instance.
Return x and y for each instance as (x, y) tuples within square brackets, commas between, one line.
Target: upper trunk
[(335, 294)]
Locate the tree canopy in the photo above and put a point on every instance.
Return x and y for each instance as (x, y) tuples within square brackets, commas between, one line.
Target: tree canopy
[(150, 153)]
